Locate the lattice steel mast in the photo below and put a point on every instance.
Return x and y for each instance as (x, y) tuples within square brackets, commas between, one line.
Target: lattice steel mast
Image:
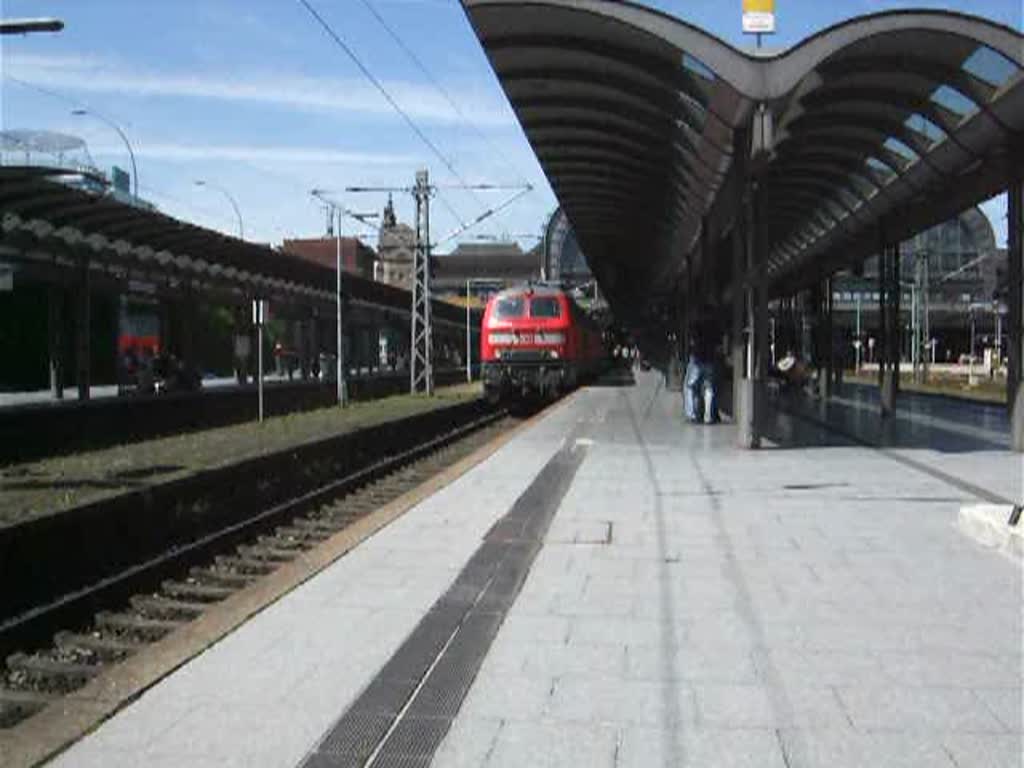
[(421, 366)]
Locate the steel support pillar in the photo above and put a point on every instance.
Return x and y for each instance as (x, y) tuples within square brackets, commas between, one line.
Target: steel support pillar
[(826, 350), (187, 345), (1015, 314), (762, 354), (888, 320), (83, 352), (314, 344), (55, 340), (737, 341), (242, 342), (743, 307), (750, 401), (421, 369), (814, 322), (895, 330)]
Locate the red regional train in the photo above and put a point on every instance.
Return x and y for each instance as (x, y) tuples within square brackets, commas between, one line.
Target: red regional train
[(536, 342)]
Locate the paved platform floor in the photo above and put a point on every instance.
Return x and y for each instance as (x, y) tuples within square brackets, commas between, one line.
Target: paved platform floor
[(809, 604)]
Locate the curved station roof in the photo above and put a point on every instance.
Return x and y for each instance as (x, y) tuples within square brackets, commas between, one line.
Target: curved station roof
[(649, 129), (50, 227)]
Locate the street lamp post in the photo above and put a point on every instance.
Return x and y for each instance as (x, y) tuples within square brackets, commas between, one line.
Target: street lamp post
[(234, 203), (26, 26), (336, 211), (342, 389), (116, 127)]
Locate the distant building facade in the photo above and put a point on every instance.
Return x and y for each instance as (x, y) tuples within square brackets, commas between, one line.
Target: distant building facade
[(489, 267), (961, 281), (395, 250), (356, 258), (563, 260)]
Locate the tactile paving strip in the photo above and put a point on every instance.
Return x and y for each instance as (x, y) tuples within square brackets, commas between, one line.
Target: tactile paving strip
[(392, 724)]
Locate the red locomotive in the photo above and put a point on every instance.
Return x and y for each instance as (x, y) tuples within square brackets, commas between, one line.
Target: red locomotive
[(536, 342)]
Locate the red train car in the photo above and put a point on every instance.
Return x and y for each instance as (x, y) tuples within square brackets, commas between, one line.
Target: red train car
[(537, 342)]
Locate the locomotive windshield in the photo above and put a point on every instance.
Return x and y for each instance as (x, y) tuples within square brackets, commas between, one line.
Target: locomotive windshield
[(545, 306), (512, 306)]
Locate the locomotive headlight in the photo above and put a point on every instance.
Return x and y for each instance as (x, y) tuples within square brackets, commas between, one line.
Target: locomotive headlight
[(500, 338), (553, 354)]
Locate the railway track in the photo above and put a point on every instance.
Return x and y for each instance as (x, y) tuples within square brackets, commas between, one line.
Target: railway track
[(208, 570)]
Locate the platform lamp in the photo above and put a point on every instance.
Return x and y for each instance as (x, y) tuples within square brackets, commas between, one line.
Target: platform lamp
[(336, 212), (124, 138), (234, 203)]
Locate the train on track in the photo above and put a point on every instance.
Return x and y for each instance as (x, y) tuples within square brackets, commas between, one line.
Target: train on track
[(537, 343)]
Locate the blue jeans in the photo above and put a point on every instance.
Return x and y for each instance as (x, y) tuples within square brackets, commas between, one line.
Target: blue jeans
[(699, 392)]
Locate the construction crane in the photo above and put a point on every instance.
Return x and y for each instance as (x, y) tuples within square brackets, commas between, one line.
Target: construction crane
[(421, 370)]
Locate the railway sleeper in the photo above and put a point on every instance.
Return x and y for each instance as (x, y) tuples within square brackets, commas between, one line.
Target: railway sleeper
[(266, 554), (326, 523), (195, 592), (337, 521), (52, 674), (245, 565), (158, 607), (105, 648), (359, 499), (231, 580), (136, 626), (15, 705), (390, 491), (307, 536), (315, 526), (283, 541), (352, 509)]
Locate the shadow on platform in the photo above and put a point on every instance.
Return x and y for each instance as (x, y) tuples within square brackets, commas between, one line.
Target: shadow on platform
[(852, 418), (617, 377)]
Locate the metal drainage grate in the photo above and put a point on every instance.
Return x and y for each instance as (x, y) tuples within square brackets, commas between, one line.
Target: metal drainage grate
[(402, 716)]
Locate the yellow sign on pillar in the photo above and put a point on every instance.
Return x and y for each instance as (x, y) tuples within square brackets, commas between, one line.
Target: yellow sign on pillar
[(759, 16)]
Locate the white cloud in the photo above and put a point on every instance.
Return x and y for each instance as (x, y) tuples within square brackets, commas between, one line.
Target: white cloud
[(336, 95), (253, 153)]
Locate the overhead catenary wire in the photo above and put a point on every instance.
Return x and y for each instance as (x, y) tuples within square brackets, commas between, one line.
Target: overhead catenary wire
[(61, 96), (384, 92), (441, 199), (483, 216), (442, 90)]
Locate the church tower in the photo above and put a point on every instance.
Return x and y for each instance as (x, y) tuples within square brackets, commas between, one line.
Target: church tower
[(395, 246)]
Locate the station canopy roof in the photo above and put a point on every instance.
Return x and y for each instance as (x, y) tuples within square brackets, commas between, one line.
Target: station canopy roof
[(43, 217), (644, 125), (45, 222)]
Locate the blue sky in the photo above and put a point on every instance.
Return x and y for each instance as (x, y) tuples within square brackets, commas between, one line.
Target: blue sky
[(254, 97)]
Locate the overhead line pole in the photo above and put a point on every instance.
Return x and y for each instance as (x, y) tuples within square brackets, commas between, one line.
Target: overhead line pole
[(485, 215), (447, 96), (336, 211), (421, 371), (422, 332)]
